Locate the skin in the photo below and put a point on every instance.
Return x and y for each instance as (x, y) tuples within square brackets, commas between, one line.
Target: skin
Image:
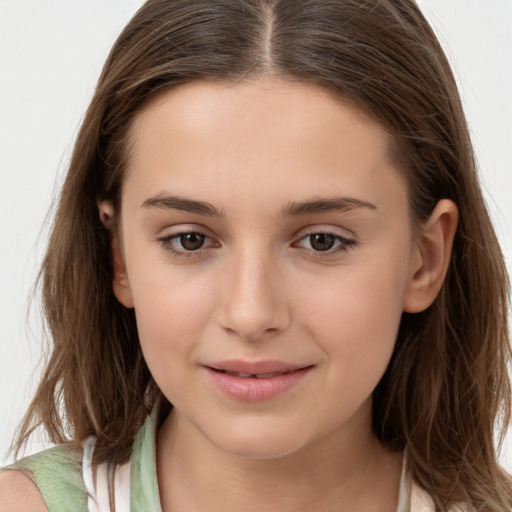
[(18, 493), (258, 289)]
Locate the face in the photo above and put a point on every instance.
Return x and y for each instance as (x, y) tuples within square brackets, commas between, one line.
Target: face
[(268, 252)]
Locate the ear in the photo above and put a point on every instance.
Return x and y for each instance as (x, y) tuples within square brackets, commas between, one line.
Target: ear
[(120, 283), (431, 257)]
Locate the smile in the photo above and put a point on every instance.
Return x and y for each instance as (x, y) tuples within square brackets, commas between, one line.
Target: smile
[(255, 382)]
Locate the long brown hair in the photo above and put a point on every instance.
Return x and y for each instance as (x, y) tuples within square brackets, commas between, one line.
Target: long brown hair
[(447, 383)]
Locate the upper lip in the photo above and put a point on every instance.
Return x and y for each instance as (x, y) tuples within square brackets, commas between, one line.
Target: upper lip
[(255, 367)]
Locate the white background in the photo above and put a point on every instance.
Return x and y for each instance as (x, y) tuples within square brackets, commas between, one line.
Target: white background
[(51, 54)]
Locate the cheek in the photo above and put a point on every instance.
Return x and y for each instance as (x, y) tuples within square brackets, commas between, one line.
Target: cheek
[(172, 311), (355, 319)]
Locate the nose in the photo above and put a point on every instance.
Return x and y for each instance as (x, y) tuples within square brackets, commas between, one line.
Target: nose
[(254, 302)]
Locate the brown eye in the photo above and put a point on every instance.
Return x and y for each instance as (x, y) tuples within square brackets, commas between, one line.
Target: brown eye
[(322, 241), (192, 241), (327, 243), (188, 244)]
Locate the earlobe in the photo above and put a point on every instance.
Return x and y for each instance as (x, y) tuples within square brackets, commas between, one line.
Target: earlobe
[(431, 257), (120, 282), (106, 212)]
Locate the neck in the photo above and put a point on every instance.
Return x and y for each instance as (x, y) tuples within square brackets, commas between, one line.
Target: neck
[(333, 473)]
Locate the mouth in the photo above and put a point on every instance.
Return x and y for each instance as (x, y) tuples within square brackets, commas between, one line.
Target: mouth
[(264, 369), (255, 381), (254, 375)]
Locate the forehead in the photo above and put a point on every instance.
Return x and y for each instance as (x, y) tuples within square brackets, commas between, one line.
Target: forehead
[(203, 106), (213, 136)]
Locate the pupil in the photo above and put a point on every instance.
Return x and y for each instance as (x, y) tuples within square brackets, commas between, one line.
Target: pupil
[(192, 241), (322, 241)]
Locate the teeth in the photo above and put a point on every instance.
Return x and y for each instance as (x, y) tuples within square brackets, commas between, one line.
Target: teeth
[(238, 374), (267, 375), (257, 375)]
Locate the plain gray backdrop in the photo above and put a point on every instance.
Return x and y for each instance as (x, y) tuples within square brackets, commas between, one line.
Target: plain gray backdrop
[(51, 54)]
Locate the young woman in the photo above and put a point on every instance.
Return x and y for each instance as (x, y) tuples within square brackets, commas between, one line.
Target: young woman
[(272, 282)]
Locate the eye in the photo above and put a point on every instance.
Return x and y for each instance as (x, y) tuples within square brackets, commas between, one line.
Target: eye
[(183, 244), (191, 241), (325, 242), (321, 241)]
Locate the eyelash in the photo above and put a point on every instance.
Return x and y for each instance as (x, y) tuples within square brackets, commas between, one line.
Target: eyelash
[(343, 244), (166, 243)]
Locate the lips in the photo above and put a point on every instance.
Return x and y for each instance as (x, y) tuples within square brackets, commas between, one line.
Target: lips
[(254, 368), (249, 381)]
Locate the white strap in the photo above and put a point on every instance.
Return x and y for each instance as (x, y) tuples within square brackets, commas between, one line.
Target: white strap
[(102, 494), (122, 487), (87, 473), (98, 494)]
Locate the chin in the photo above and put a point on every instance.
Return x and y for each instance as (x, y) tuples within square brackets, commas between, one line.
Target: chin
[(260, 442), (259, 450)]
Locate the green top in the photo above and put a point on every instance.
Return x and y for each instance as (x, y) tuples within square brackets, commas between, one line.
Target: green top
[(58, 475), (144, 493)]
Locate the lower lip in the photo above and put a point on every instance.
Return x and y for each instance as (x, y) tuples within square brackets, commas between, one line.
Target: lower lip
[(252, 389)]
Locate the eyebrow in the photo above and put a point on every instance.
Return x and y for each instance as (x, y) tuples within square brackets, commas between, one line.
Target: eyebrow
[(167, 202), (339, 204), (332, 204)]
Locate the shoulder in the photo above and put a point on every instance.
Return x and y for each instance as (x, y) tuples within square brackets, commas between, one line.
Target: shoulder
[(19, 493), (421, 501), (49, 480)]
